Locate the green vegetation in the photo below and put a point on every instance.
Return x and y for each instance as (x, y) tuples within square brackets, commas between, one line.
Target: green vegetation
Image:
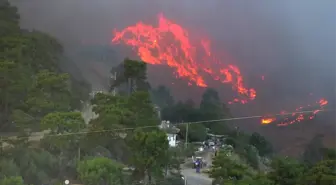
[(36, 95), (123, 145), (284, 171), (100, 170), (210, 108)]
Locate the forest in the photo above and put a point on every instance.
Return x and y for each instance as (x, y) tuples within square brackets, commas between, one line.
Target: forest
[(123, 145)]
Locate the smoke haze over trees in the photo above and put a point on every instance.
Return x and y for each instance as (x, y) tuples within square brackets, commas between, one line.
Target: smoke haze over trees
[(266, 38), (290, 43), (44, 138)]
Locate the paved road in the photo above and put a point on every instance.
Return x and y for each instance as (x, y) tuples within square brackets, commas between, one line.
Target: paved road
[(194, 178)]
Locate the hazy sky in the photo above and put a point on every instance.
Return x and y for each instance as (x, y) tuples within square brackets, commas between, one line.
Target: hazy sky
[(291, 42)]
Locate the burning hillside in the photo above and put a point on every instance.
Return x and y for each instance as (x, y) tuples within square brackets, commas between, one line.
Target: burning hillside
[(170, 44), (298, 115)]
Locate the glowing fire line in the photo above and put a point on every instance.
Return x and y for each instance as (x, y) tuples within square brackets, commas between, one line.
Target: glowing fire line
[(169, 44), (296, 116)]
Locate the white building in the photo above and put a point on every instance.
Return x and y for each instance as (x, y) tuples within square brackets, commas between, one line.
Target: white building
[(172, 140), (171, 132)]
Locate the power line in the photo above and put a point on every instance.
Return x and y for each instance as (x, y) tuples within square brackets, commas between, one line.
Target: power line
[(155, 126)]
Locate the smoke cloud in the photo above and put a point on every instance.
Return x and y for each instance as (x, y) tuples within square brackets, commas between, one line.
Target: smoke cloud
[(290, 43)]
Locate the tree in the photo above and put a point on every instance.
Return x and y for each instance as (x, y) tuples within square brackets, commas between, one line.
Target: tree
[(211, 105), (112, 110), (196, 132), (31, 80), (114, 114), (50, 93), (80, 92), (14, 180), (186, 112), (133, 73), (9, 13), (314, 151), (322, 173), (100, 171), (37, 166), (211, 108), (175, 157), (329, 153), (6, 72), (260, 142), (62, 142), (8, 168), (230, 141), (162, 97), (251, 155), (149, 154), (13, 88), (118, 112), (224, 169), (41, 51), (260, 179), (143, 112), (286, 171), (182, 112), (63, 122)]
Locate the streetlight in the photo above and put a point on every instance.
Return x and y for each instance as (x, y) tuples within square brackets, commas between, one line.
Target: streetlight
[(66, 182)]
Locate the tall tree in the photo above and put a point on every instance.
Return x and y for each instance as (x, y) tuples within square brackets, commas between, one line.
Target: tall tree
[(106, 130), (260, 142), (314, 150), (323, 173), (224, 169), (130, 72), (162, 97), (149, 155), (50, 93), (15, 180), (100, 171), (61, 141), (31, 80), (286, 171), (8, 70), (182, 112), (212, 109), (186, 112), (9, 19), (140, 104)]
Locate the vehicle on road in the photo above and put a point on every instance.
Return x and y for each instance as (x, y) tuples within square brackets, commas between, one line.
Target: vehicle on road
[(199, 162)]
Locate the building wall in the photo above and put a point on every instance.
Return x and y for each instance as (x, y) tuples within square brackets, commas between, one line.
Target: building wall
[(172, 140)]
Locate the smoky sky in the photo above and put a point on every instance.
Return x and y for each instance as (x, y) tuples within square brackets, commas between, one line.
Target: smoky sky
[(291, 43)]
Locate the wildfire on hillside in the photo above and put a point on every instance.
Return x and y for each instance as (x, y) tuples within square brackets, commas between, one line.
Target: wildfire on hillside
[(266, 121), (170, 44), (301, 113)]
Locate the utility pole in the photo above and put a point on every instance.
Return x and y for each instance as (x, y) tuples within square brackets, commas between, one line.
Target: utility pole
[(112, 81), (131, 85), (186, 135)]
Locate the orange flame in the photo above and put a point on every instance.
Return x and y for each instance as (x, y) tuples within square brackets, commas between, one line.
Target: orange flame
[(266, 121), (169, 44), (298, 117)]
